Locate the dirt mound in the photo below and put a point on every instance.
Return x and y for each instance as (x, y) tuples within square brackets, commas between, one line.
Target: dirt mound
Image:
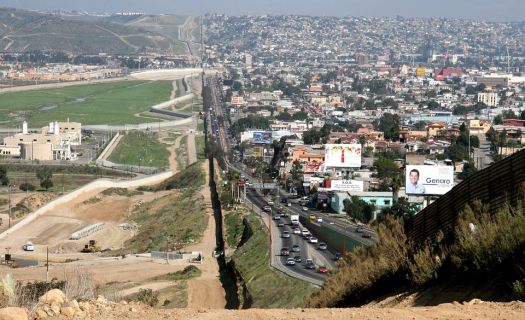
[(37, 200)]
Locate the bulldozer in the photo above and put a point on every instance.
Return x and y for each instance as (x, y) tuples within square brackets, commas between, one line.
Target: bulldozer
[(91, 247)]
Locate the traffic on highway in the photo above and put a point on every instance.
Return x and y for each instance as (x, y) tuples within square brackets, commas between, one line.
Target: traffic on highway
[(294, 249)]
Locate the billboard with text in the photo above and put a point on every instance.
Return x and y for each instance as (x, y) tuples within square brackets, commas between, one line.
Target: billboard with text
[(343, 155), (347, 185), (431, 180)]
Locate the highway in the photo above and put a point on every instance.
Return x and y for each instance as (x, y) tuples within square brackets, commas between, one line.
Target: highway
[(255, 200)]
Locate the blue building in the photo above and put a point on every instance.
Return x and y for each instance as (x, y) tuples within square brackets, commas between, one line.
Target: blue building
[(380, 199)]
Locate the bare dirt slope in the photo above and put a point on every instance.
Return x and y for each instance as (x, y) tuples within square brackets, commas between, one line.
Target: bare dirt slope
[(479, 311), (206, 291)]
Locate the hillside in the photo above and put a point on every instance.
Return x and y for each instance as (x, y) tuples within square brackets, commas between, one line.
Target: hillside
[(22, 30)]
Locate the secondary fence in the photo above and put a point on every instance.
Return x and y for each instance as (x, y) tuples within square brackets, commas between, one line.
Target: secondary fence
[(89, 230), (496, 186)]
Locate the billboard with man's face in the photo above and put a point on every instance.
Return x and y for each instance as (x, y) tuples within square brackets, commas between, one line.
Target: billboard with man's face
[(343, 155), (429, 180)]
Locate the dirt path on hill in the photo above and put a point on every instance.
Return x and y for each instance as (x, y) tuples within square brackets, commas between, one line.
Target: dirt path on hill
[(174, 91), (192, 148), (206, 291), (173, 154)]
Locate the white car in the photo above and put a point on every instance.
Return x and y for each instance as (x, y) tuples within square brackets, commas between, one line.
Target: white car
[(296, 231), (28, 247), (313, 240), (305, 209), (304, 232), (290, 261), (319, 220)]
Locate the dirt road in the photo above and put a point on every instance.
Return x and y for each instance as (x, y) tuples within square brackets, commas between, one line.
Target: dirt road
[(206, 291)]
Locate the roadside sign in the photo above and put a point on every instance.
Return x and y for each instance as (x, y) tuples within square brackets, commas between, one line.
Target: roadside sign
[(264, 186)]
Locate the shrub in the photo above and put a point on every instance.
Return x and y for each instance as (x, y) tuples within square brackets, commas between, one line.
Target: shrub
[(148, 297), (27, 187)]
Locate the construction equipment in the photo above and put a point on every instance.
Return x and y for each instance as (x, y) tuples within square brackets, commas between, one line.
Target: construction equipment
[(91, 247)]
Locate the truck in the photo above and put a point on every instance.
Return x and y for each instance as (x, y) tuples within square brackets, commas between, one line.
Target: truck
[(294, 218)]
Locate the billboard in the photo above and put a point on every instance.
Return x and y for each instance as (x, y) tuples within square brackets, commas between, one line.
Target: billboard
[(343, 155), (431, 180), (237, 101), (347, 185), (262, 137)]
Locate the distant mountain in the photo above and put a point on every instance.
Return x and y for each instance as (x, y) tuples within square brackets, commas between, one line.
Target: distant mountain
[(22, 30)]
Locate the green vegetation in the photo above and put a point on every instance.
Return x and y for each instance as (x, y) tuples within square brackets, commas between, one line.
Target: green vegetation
[(234, 227), (121, 192), (485, 250), (185, 274), (169, 223), (174, 296), (191, 177), (267, 287), (141, 149), (182, 153), (148, 296), (61, 181), (104, 103), (200, 145)]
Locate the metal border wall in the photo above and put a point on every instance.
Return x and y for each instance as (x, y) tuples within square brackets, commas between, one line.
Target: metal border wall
[(495, 186)]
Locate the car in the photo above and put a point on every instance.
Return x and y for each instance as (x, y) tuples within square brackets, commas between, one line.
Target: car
[(322, 269), (267, 209), (276, 217), (367, 235), (298, 259), (305, 209), (296, 231), (309, 264), (270, 203), (338, 256), (289, 204), (284, 215), (319, 220), (359, 229), (284, 200), (285, 234), (285, 251), (313, 240), (322, 246), (28, 246), (280, 225), (296, 248), (305, 232), (290, 262)]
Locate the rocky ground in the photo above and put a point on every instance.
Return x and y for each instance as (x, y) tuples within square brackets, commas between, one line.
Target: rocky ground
[(55, 305)]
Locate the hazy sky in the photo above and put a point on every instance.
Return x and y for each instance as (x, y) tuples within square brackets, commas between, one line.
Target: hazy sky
[(493, 10)]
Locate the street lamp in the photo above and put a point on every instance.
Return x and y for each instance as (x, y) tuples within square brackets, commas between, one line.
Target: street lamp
[(9, 192)]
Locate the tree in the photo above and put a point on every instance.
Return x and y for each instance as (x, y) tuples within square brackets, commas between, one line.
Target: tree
[(46, 184), (27, 187), (312, 136), (469, 169), (389, 124), (359, 209), (400, 209), (420, 125), (4, 180)]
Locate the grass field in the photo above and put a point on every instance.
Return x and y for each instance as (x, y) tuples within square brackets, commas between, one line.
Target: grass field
[(103, 103), (141, 149), (66, 181)]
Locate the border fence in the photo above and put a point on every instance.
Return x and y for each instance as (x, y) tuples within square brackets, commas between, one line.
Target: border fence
[(498, 185)]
